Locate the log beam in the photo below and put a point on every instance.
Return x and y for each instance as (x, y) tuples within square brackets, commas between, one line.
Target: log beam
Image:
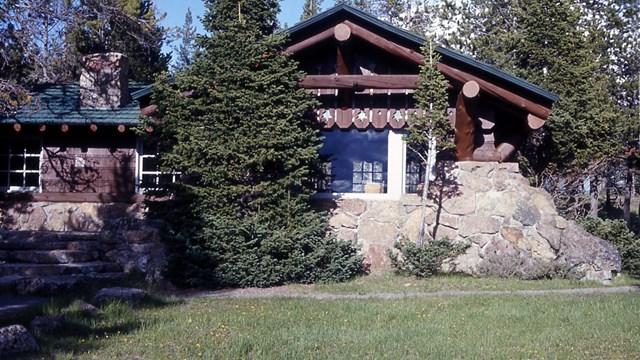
[(149, 110), (342, 32), (379, 41), (359, 81), (466, 109), (522, 103), (534, 122), (317, 38)]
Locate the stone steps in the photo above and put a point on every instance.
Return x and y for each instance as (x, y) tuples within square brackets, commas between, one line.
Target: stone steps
[(57, 284), (48, 256), (46, 262)]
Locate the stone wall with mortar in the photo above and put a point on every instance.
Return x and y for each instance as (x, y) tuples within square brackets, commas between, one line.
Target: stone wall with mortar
[(488, 205), (126, 237)]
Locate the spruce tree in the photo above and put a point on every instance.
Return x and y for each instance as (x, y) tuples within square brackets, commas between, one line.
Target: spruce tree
[(248, 157), (310, 8), (186, 49)]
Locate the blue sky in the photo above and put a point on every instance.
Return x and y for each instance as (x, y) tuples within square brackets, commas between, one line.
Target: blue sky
[(176, 9)]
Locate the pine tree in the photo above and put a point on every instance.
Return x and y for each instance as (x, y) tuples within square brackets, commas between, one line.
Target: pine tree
[(428, 133), (247, 157), (186, 49), (310, 8), (131, 27)]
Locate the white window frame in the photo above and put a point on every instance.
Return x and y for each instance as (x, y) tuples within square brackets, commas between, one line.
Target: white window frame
[(5, 184), (396, 160), (140, 158)]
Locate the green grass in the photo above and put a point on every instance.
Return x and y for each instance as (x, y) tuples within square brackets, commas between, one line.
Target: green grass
[(595, 326), (605, 326)]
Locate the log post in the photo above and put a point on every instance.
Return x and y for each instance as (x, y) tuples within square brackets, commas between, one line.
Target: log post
[(466, 109)]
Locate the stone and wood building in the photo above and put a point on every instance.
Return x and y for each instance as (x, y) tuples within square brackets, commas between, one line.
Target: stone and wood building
[(73, 162)]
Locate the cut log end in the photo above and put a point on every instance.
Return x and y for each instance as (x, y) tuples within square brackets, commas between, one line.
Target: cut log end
[(471, 89), (64, 128), (121, 128), (17, 127), (93, 127), (534, 122), (342, 32), (42, 128)]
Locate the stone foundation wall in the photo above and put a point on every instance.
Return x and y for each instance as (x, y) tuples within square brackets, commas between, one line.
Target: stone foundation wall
[(64, 216), (488, 205), (126, 237)]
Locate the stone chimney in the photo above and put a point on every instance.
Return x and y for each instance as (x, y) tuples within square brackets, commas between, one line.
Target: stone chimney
[(104, 81)]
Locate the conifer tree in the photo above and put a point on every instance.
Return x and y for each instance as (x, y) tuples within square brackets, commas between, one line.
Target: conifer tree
[(310, 8), (248, 157), (428, 133), (186, 35)]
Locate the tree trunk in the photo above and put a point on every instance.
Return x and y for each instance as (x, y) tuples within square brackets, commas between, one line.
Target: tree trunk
[(593, 197), (626, 208)]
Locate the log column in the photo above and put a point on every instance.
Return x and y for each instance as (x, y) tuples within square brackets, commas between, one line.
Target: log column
[(466, 108)]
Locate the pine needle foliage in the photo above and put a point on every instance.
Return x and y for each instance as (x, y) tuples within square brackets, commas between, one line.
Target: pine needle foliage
[(428, 132), (235, 129)]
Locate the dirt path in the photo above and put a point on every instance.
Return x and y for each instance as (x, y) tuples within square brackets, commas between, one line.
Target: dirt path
[(292, 293)]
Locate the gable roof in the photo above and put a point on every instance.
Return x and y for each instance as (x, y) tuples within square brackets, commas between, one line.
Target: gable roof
[(58, 104), (342, 12)]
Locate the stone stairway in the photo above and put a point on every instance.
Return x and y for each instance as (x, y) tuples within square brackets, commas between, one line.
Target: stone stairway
[(46, 262)]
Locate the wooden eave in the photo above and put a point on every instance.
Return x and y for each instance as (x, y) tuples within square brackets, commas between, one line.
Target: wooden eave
[(457, 68)]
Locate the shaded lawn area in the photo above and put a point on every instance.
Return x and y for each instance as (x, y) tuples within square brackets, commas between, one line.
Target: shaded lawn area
[(470, 327)]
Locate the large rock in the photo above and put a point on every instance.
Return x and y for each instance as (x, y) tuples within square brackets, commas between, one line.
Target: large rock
[(128, 295), (598, 258), (47, 324), (15, 340)]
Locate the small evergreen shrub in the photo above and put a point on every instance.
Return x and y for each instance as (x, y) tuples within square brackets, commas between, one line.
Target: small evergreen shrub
[(519, 267), (426, 261), (617, 232)]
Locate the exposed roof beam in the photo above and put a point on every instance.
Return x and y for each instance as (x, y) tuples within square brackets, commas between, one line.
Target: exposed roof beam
[(523, 103), (359, 81)]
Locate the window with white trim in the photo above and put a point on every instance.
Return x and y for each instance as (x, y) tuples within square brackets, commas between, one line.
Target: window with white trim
[(20, 164), (357, 161), (149, 176)]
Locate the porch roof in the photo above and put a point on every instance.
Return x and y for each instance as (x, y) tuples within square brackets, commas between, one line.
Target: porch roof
[(60, 104)]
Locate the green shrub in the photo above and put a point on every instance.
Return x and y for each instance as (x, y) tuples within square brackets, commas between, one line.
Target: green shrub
[(616, 232), (424, 261), (519, 267)]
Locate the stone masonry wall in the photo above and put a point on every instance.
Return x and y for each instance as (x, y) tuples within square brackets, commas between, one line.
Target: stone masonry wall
[(127, 238), (490, 206)]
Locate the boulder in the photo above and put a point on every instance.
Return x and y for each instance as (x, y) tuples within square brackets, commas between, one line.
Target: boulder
[(15, 340), (127, 295), (82, 308), (598, 258), (47, 324)]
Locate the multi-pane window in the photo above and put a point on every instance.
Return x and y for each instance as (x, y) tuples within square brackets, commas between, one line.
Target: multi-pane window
[(357, 161), (150, 176), (414, 173), (20, 164)]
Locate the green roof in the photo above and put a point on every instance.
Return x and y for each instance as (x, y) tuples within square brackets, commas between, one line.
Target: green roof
[(341, 12), (60, 104)]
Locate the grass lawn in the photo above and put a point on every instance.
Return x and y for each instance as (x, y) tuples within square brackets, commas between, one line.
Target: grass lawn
[(593, 326)]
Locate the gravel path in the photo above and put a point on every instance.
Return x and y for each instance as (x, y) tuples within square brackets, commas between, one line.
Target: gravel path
[(291, 293)]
